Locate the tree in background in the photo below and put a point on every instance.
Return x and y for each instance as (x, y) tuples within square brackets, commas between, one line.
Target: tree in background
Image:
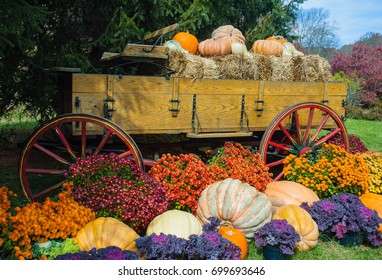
[(315, 33), (39, 34), (365, 64)]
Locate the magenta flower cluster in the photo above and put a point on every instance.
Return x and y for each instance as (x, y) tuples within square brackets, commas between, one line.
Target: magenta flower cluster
[(115, 187), (356, 146)]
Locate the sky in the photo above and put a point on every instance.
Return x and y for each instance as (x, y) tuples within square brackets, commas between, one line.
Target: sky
[(354, 18)]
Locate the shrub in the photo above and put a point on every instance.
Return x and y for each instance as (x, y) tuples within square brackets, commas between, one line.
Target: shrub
[(115, 187), (355, 143), (184, 177), (236, 162), (358, 63), (374, 163), (330, 170)]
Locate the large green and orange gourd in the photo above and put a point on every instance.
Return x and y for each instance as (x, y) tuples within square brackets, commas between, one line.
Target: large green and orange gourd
[(236, 204)]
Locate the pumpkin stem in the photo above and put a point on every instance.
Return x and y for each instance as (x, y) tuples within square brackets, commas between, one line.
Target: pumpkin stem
[(226, 224)]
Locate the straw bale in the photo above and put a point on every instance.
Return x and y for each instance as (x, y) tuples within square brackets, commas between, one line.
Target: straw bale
[(252, 66), (264, 66), (237, 67), (282, 68), (192, 66)]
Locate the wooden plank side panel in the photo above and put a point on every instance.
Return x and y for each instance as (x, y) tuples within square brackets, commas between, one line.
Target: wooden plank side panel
[(142, 106), (89, 83), (218, 87)]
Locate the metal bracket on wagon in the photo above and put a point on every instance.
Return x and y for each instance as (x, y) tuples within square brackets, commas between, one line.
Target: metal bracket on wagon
[(107, 109)]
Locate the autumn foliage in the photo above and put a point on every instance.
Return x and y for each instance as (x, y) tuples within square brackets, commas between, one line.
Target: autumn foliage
[(365, 62)]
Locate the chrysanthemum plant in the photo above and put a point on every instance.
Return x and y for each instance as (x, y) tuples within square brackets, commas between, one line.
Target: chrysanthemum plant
[(115, 187), (328, 171)]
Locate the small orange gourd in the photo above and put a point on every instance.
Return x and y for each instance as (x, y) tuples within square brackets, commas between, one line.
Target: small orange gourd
[(237, 238), (267, 47), (188, 41), (374, 202), (303, 222)]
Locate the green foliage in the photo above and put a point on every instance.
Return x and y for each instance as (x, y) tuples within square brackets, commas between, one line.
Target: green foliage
[(354, 86), (36, 35), (53, 248)]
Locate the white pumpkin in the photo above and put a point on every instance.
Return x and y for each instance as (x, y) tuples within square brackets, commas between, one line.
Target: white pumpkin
[(239, 48), (173, 45), (290, 50), (175, 222)]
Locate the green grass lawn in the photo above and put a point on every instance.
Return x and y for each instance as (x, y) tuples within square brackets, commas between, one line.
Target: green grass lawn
[(370, 132)]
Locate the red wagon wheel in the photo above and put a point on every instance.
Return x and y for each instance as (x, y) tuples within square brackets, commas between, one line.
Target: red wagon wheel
[(299, 128), (53, 147)]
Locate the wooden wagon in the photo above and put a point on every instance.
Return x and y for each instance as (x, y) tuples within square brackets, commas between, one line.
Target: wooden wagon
[(132, 114)]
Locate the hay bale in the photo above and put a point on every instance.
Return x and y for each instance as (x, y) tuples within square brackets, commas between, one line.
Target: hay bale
[(264, 66), (253, 66), (187, 65), (236, 67), (311, 68), (326, 70), (282, 68), (297, 68)]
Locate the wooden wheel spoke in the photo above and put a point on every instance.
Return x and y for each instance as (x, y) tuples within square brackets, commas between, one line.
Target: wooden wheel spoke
[(278, 145), (51, 154), (298, 126), (327, 137), (48, 190), (319, 128), (103, 142), (308, 125), (83, 139), (45, 171), (276, 163), (65, 142), (287, 134), (278, 177), (126, 154)]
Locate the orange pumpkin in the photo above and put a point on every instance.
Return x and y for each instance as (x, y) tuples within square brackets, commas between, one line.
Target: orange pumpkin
[(188, 41), (277, 38), (237, 238), (282, 193), (228, 32), (374, 202), (213, 47), (303, 222), (267, 47)]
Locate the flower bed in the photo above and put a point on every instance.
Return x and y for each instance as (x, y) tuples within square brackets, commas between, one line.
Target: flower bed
[(110, 186)]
